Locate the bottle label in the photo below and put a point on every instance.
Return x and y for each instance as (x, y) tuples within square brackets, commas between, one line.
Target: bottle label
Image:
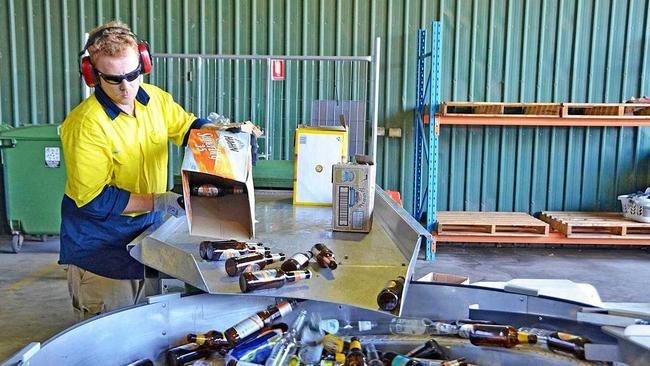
[(230, 253), (408, 326), (400, 360), (301, 258), (265, 275), (365, 325), (207, 190), (333, 343), (253, 267), (248, 326), (444, 328), (299, 275)]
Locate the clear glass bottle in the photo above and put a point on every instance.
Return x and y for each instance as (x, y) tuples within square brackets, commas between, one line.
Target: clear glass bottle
[(401, 326), (373, 355), (270, 278), (251, 262), (288, 345), (311, 340)]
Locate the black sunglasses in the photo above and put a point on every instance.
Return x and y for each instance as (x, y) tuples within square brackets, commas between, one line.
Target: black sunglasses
[(117, 79)]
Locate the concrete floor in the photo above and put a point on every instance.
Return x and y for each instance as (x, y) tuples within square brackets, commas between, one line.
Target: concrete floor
[(35, 305)]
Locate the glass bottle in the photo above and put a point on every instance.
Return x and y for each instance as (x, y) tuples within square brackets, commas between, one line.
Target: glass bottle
[(394, 359), (297, 261), (324, 256), (355, 357), (141, 362), (428, 362), (429, 349), (560, 342), (401, 326), (256, 322), (185, 353), (288, 345), (251, 262), (495, 335), (224, 249), (212, 339), (373, 355), (390, 297), (270, 278), (211, 190), (311, 339)]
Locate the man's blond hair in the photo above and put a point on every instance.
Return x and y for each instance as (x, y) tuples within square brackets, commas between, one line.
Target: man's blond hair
[(112, 42)]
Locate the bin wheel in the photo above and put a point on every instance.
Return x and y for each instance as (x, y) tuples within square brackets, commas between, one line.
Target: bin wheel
[(17, 240)]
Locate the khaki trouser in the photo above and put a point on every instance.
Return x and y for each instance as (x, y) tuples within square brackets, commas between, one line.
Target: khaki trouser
[(93, 294)]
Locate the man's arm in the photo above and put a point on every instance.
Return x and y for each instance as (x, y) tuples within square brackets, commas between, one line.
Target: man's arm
[(139, 203)]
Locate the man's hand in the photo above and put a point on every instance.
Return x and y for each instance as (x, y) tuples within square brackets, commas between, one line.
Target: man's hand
[(168, 202)]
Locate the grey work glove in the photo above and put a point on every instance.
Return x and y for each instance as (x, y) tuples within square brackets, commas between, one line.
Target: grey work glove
[(168, 202)]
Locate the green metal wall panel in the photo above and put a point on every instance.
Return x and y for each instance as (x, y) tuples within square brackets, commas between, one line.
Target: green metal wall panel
[(496, 50)]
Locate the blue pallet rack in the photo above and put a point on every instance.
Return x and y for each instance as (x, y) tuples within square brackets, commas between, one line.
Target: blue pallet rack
[(427, 85)]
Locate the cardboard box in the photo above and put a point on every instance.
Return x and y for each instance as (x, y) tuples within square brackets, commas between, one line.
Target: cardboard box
[(353, 189), (222, 159), (316, 150), (444, 278)]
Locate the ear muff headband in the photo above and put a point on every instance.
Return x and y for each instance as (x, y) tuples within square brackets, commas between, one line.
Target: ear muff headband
[(86, 68)]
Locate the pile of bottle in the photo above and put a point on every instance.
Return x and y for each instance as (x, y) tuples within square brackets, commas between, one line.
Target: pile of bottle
[(249, 261), (262, 339)]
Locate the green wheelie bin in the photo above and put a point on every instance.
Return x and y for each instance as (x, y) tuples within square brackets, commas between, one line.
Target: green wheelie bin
[(34, 180)]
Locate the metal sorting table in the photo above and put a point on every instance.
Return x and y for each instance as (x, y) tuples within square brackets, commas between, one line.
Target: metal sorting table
[(366, 261)]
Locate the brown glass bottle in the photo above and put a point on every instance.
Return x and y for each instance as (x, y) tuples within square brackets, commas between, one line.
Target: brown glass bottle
[(213, 339), (270, 278), (394, 359), (560, 342), (429, 349), (389, 298), (224, 249), (355, 357), (256, 322), (495, 335), (181, 355), (324, 256), (210, 190), (251, 262), (297, 261)]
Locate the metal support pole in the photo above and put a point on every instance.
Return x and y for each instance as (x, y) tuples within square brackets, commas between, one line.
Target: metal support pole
[(434, 130), (375, 97)]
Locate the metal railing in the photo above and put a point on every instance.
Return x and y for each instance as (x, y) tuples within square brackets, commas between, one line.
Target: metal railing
[(311, 90)]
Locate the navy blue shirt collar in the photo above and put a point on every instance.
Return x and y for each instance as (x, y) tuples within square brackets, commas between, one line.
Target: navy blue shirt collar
[(113, 110)]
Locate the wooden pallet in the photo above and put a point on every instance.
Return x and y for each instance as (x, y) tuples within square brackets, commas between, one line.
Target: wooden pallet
[(500, 109), (590, 110), (562, 110), (490, 223), (596, 225)]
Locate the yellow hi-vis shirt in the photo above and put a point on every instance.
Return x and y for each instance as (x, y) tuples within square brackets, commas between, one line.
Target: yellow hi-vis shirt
[(102, 146)]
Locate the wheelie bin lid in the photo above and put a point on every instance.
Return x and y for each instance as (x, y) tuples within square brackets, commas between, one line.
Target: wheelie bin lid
[(32, 132)]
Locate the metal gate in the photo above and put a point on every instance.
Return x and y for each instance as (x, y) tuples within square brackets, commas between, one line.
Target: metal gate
[(277, 93)]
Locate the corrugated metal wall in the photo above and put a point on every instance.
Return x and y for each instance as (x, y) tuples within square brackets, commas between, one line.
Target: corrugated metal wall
[(528, 50)]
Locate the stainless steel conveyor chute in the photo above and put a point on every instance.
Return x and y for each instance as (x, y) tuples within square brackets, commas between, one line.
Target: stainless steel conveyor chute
[(348, 293), (366, 261)]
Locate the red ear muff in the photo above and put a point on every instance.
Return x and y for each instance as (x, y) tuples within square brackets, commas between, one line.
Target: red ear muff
[(145, 58), (87, 72)]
